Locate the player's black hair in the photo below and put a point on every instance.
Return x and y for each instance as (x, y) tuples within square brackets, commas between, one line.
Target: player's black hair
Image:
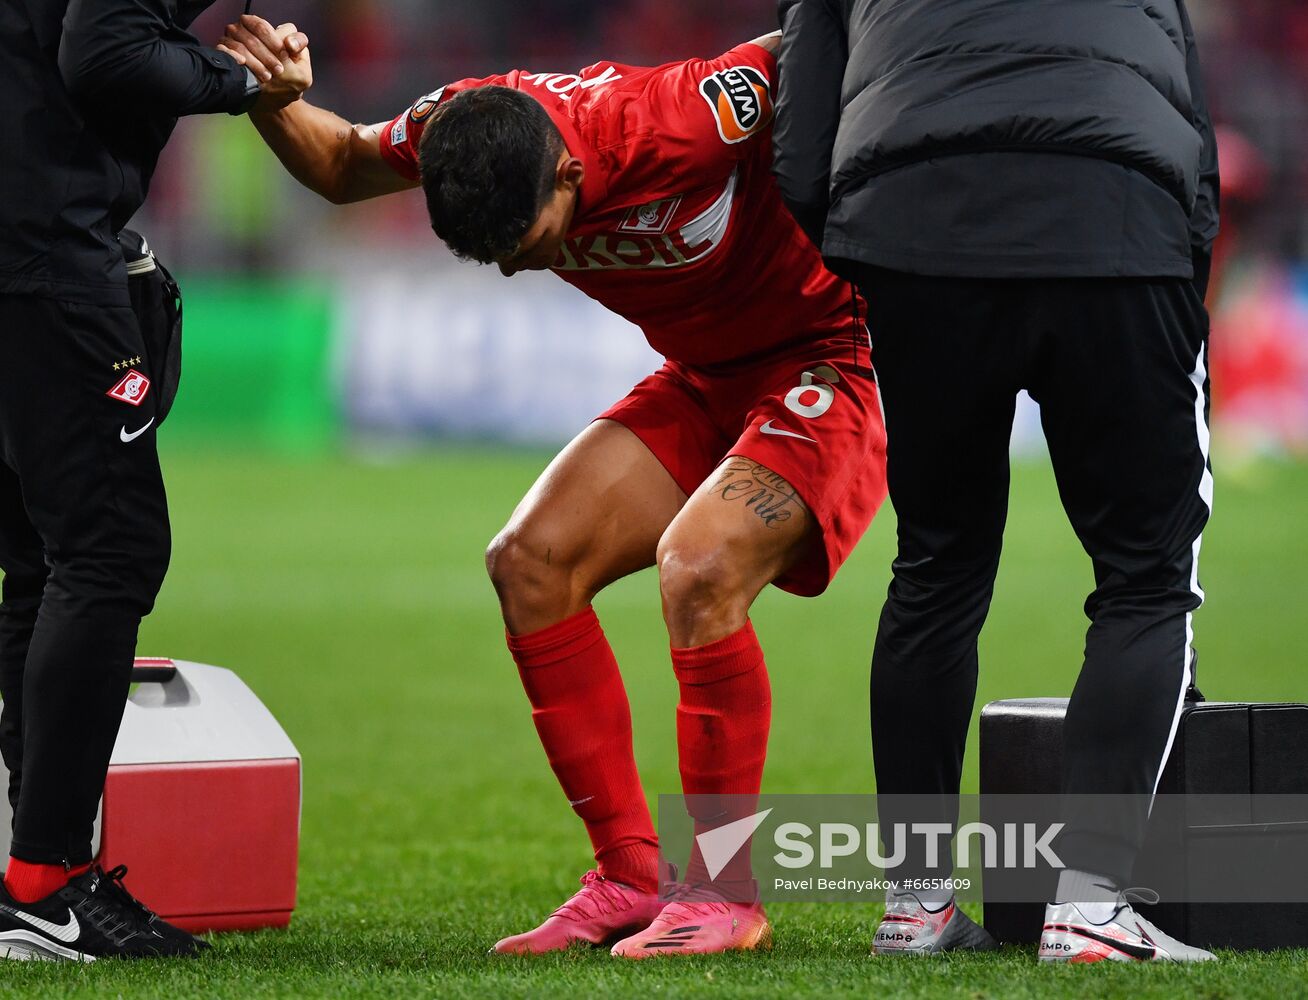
[(487, 160)]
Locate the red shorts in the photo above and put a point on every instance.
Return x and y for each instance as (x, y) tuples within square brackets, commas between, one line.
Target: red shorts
[(810, 414)]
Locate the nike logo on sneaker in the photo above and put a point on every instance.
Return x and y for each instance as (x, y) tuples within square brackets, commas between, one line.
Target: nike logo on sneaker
[(129, 438), (67, 933), (1139, 951), (767, 428)]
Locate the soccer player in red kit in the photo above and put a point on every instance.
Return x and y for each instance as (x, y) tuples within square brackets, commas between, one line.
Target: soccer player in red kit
[(754, 455)]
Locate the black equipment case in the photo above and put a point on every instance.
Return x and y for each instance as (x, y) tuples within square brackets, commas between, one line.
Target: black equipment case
[(1220, 749)]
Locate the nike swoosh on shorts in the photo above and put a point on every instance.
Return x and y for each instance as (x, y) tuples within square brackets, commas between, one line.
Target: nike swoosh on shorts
[(767, 428)]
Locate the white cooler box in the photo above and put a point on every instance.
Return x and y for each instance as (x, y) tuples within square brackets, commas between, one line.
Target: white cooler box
[(202, 801)]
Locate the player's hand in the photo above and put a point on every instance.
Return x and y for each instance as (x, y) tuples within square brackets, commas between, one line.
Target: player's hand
[(296, 76), (278, 57)]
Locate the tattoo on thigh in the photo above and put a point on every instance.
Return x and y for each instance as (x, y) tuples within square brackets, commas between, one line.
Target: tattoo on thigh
[(761, 490)]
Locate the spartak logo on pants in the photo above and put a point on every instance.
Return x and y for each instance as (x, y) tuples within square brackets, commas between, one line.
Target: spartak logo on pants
[(741, 101), (132, 388)]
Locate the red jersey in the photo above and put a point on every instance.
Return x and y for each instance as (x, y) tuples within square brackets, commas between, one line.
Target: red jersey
[(679, 226)]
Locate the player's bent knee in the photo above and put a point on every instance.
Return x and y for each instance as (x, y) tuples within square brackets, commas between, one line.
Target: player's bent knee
[(701, 584), (526, 570), (507, 560)]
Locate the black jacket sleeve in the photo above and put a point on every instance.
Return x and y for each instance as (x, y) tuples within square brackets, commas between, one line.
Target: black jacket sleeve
[(132, 52), (1204, 218), (811, 70)]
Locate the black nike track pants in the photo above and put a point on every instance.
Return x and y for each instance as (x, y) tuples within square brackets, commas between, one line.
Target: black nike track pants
[(84, 545), (1119, 368)]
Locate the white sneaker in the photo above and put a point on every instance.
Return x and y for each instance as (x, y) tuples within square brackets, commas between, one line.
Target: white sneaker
[(909, 928), (1126, 937)]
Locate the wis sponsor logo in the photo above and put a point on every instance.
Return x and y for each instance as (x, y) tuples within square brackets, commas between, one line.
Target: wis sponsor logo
[(740, 100)]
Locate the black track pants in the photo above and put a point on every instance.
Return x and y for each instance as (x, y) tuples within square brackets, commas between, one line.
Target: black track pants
[(84, 545), (1119, 368)]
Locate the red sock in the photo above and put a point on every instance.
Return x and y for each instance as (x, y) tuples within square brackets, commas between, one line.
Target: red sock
[(581, 713), (722, 739), (28, 882)]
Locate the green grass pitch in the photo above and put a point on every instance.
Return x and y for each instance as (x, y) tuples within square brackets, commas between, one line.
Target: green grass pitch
[(352, 597)]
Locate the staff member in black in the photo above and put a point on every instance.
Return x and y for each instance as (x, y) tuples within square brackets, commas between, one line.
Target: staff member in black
[(1026, 194), (89, 93)]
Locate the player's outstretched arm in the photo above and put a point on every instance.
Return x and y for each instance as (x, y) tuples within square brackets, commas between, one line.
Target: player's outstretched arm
[(328, 155), (324, 152)]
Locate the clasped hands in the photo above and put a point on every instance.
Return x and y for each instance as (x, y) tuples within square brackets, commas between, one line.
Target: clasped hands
[(277, 56)]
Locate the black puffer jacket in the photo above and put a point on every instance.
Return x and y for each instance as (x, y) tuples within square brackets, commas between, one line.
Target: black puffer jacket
[(868, 86)]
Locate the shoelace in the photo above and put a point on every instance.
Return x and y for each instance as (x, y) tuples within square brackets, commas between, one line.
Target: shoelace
[(1140, 894), (112, 881), (597, 891), (109, 907), (1135, 894)]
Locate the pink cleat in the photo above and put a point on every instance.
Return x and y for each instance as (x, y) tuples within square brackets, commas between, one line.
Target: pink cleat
[(599, 912), (698, 921)]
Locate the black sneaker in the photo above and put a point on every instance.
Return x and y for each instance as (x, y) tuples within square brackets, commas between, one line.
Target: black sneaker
[(92, 917)]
